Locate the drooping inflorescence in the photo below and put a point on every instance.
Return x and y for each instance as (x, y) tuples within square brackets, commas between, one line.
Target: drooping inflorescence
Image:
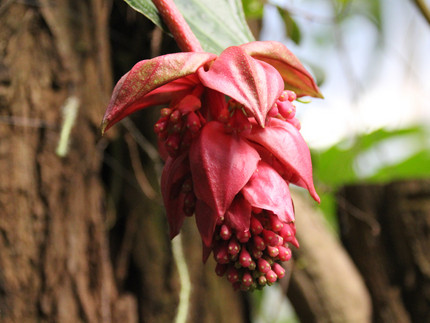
[(231, 145), (253, 258)]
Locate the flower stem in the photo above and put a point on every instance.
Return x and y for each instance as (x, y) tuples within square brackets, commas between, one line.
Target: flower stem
[(184, 278), (182, 33)]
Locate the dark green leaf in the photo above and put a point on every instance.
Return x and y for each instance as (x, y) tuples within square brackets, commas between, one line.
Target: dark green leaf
[(217, 24), (148, 9), (291, 28)]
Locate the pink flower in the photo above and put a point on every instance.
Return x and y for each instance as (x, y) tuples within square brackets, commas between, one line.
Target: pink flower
[(243, 206), (253, 74), (229, 163)]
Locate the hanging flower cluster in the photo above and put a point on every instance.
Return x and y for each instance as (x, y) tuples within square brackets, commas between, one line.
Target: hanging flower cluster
[(231, 145)]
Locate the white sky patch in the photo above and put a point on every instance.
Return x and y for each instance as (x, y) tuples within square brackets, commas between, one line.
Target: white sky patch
[(388, 152), (386, 87)]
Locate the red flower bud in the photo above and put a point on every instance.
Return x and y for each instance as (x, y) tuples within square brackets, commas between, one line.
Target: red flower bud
[(175, 116), (233, 247), (278, 269), (287, 233), (273, 251), (275, 223), (286, 109), (245, 258), (193, 122), (271, 276), (256, 227), (256, 254), (220, 220), (165, 112), (291, 95), (177, 127), (284, 253), (263, 265), (172, 144), (243, 236), (160, 126), (271, 238), (262, 280), (247, 279), (232, 275), (221, 254), (259, 243), (225, 232)]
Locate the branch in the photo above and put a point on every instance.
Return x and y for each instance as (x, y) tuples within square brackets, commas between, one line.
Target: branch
[(422, 7)]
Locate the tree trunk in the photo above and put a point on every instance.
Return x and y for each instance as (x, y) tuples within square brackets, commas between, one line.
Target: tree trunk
[(54, 255), (386, 230), (325, 286)]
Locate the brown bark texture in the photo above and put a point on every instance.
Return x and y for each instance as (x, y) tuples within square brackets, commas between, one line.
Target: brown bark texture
[(325, 285), (54, 255), (386, 229)]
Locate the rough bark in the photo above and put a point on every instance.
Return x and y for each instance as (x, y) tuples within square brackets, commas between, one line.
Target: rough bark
[(325, 286), (54, 256), (385, 228)]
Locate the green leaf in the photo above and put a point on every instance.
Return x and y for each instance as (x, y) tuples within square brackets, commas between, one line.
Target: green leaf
[(336, 166), (148, 9), (253, 9), (370, 9), (414, 167), (291, 28), (216, 24)]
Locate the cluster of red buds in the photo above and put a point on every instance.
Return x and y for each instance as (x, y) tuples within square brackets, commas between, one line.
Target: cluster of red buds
[(252, 258)]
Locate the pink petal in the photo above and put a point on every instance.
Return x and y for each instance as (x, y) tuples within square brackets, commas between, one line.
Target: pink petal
[(295, 76), (206, 219), (238, 215), (221, 164), (285, 142), (174, 173), (251, 82), (168, 92), (268, 190), (147, 75)]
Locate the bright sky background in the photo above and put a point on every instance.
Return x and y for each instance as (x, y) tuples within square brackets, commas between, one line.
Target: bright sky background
[(388, 83)]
